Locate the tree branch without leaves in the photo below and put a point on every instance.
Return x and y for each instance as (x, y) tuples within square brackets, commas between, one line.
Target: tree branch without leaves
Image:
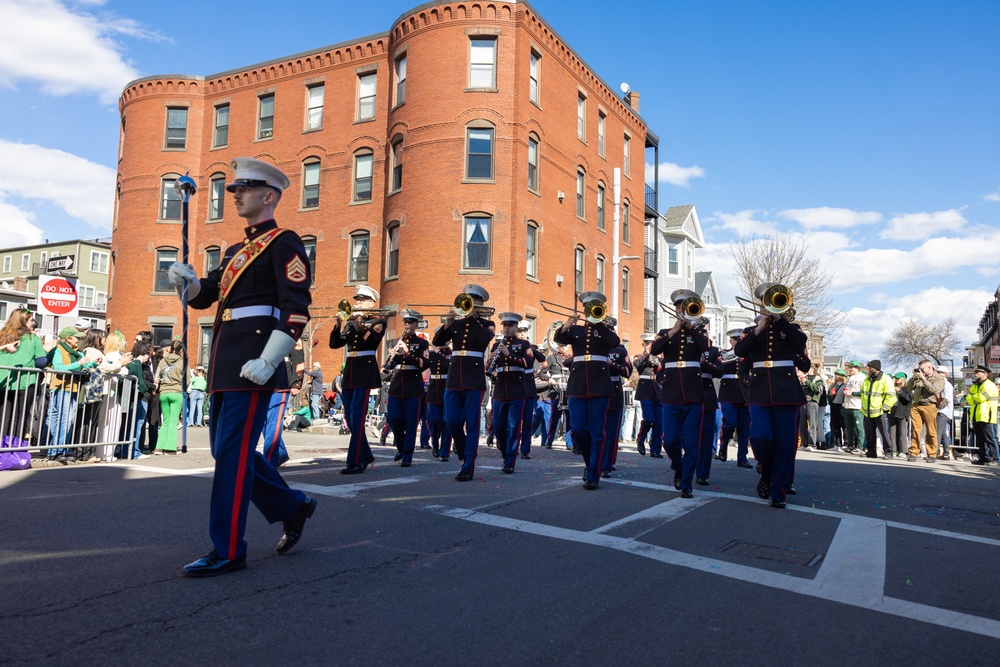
[(912, 341)]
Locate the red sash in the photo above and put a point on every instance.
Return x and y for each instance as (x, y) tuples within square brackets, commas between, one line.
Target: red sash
[(251, 250)]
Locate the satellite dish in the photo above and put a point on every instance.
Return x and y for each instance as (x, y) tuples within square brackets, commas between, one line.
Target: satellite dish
[(625, 88)]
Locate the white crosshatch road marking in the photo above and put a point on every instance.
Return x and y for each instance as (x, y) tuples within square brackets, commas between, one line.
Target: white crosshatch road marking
[(852, 572)]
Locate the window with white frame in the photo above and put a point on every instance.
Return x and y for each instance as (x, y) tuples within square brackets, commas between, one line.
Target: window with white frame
[(366, 95), (314, 106), (101, 301), (578, 269), (265, 117), (533, 163), (690, 263), (534, 74), (627, 156), (217, 197), (170, 201), (531, 268), (400, 80), (626, 222), (25, 262), (213, 257), (600, 205), (164, 258), (6, 263), (581, 189), (626, 288), (479, 161), (600, 273), (363, 177), (397, 163), (309, 242), (392, 251), (673, 261), (482, 62), (98, 261), (87, 294), (602, 123), (478, 231), (359, 257), (220, 133), (176, 137), (310, 183), (581, 117)]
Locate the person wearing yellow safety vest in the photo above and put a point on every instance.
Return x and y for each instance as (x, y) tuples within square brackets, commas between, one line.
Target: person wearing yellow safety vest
[(982, 400), (878, 395)]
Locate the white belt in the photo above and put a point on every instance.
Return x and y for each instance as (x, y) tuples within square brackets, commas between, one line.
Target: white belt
[(410, 368), (616, 378), (590, 357), (730, 377), (773, 364), (512, 369), (646, 377), (466, 353), (439, 377), (682, 364), (706, 376), (229, 314), (362, 353)]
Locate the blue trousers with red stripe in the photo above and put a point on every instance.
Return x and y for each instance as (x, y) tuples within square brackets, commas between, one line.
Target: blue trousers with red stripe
[(507, 417), (682, 437), (425, 425), (588, 419), (242, 474), (613, 434), (527, 420), (355, 410), (462, 409), (773, 429), (274, 445), (440, 435), (652, 424), (709, 438), (403, 415), (735, 417)]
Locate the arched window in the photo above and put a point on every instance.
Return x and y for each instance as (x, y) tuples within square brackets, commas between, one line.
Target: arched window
[(170, 201), (626, 288), (164, 258), (216, 196), (310, 243), (363, 176), (213, 257), (392, 250), (478, 242), (580, 254), (359, 257), (479, 146), (533, 162), (626, 222), (581, 189), (600, 204), (397, 163), (531, 268), (600, 274), (310, 182)]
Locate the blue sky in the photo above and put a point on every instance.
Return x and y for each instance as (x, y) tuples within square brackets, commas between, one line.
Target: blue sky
[(869, 129)]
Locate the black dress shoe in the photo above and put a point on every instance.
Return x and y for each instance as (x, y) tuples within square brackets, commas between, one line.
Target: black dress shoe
[(294, 525), (576, 450), (435, 453), (507, 470), (641, 447), (398, 456), (743, 465), (606, 474), (443, 459), (778, 504), (525, 456), (677, 480), (686, 493), (590, 486), (405, 464), (763, 489), (213, 565), (283, 461), (367, 462), (791, 490), (656, 456), (701, 481), (463, 477), (352, 470)]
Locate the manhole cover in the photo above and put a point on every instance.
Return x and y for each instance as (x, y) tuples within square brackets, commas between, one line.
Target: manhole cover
[(791, 556), (961, 514)]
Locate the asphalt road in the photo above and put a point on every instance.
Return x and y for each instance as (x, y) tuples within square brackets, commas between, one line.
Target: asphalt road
[(872, 563)]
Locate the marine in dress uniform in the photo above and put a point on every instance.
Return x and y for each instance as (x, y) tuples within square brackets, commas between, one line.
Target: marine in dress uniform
[(647, 393), (469, 336), (508, 359), (620, 367), (274, 445), (362, 334), (589, 386), (774, 398), (531, 401), (711, 368), (262, 290), (437, 363), (408, 359), (733, 400), (682, 393), (558, 372)]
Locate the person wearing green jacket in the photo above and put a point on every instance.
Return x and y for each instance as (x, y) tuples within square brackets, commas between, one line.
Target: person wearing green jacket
[(169, 376), (20, 347), (300, 419), (878, 395), (982, 399), (63, 390)]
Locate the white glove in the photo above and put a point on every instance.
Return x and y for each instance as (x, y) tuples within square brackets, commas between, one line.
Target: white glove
[(260, 370), (178, 274)]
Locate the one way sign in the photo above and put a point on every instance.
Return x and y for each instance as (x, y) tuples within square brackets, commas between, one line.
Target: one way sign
[(63, 263)]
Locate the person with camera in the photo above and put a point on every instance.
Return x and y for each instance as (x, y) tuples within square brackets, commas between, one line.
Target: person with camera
[(926, 386)]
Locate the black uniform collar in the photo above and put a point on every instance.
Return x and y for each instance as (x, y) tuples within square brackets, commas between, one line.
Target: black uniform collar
[(256, 230)]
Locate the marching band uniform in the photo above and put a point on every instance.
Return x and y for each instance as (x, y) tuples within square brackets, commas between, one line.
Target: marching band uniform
[(262, 290), (470, 336), (274, 445), (362, 335), (646, 365), (406, 389), (589, 388), (774, 398), (558, 374), (683, 395), (711, 368), (509, 390), (620, 366), (733, 401), (438, 361), (531, 401)]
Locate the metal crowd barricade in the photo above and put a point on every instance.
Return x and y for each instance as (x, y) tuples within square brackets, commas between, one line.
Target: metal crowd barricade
[(44, 409)]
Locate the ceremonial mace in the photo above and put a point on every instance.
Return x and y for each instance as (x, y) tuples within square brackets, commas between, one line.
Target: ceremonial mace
[(185, 187)]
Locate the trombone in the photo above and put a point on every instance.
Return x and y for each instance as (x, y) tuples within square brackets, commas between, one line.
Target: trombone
[(597, 310), (777, 300), (346, 310), (462, 307), (692, 308)]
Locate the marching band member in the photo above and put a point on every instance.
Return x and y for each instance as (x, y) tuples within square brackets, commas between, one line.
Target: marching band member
[(509, 356), (437, 362), (711, 368), (408, 358), (647, 393), (558, 367), (362, 333), (774, 398), (620, 367), (470, 336), (733, 399), (531, 401), (589, 387), (683, 393)]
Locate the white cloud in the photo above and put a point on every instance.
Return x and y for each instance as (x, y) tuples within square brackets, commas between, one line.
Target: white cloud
[(66, 50), (916, 226), (747, 222), (825, 216), (16, 228), (83, 189), (993, 196), (674, 174)]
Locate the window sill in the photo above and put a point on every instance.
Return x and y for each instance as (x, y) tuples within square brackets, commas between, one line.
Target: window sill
[(603, 156), (400, 104), (359, 121), (173, 150), (169, 222), (534, 279), (394, 192), (313, 129), (481, 181), (155, 293), (603, 230), (537, 193), (363, 202), (307, 209), (218, 148), (475, 272), (391, 279), (537, 105), (482, 90), (213, 221), (260, 139), (581, 218)]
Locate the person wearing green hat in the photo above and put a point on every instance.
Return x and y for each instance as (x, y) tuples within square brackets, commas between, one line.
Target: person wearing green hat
[(835, 398), (63, 390), (20, 348), (899, 417), (851, 410)]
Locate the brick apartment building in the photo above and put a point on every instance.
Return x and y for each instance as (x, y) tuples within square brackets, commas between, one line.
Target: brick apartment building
[(469, 143)]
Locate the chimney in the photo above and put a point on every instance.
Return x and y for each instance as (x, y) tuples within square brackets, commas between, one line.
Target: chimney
[(632, 99), (20, 284)]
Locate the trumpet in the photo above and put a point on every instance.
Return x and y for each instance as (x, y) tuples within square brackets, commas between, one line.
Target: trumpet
[(692, 309), (463, 306), (346, 310), (777, 300)]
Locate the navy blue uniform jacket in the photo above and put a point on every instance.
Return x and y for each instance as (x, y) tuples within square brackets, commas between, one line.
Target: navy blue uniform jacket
[(359, 334), (588, 378), (681, 385), (711, 367), (646, 366), (778, 385), (278, 277), (735, 380), (409, 382), (509, 382), (466, 333), (621, 368), (438, 364)]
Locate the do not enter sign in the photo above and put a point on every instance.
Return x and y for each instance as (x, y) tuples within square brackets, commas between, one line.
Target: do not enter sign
[(58, 296)]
